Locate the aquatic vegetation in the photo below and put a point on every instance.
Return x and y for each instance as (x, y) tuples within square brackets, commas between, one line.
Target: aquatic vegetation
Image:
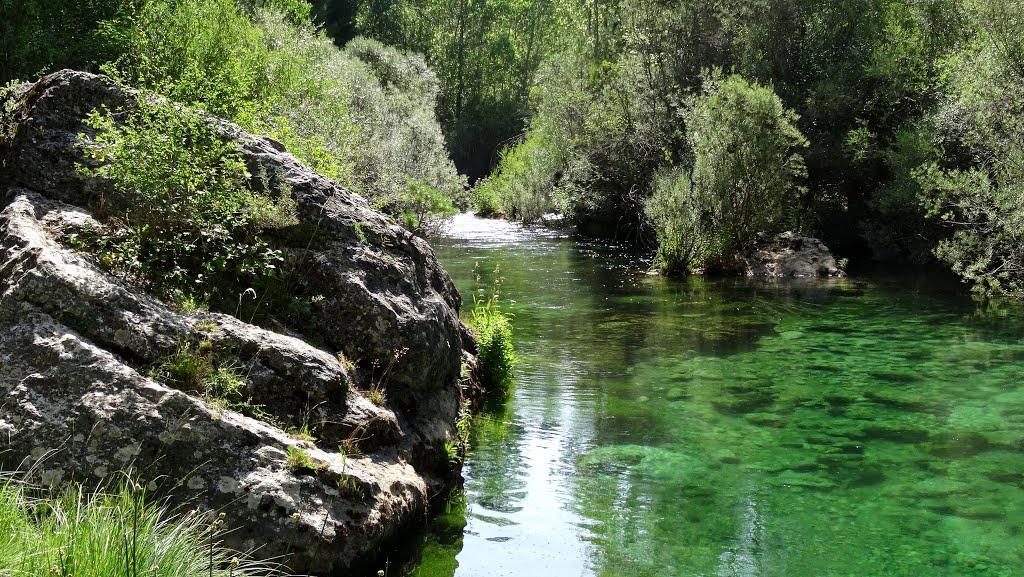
[(722, 427)]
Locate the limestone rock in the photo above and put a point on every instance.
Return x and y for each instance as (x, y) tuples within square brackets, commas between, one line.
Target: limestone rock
[(786, 255), (77, 347)]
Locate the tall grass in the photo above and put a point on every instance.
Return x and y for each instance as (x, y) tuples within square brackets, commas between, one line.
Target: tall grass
[(112, 533)]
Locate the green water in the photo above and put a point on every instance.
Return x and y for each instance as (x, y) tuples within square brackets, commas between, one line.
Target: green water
[(736, 428)]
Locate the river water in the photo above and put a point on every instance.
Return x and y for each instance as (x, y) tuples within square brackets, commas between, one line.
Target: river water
[(734, 428)]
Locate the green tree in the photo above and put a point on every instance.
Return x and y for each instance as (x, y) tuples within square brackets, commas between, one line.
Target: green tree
[(976, 189), (746, 175)]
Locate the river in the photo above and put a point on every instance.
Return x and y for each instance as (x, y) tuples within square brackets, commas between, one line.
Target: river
[(732, 427)]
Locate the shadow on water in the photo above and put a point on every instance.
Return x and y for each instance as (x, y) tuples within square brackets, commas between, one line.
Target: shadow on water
[(736, 427)]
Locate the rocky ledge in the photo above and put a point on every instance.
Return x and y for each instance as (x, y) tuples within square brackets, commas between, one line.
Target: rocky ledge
[(78, 346), (785, 255)]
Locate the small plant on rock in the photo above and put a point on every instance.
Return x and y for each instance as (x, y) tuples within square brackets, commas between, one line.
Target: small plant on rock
[(377, 395), (299, 460)]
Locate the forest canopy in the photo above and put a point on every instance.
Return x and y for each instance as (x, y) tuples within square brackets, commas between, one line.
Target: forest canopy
[(901, 120), (911, 111)]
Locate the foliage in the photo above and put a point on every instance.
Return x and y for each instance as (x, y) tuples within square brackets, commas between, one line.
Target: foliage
[(364, 116), (485, 55), (39, 36), (523, 187), (377, 395), (402, 141), (987, 213), (119, 532), (423, 208), (744, 179), (896, 227), (677, 216), (977, 189), (183, 217), (495, 350), (746, 166)]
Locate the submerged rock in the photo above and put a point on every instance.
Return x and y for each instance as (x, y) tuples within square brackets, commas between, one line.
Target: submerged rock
[(786, 255), (78, 347)]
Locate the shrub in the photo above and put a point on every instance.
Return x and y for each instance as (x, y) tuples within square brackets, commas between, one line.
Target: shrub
[(183, 219), (746, 169), (116, 533), (363, 116), (987, 215), (423, 208), (744, 179), (977, 192), (394, 100), (675, 214), (497, 354), (522, 188)]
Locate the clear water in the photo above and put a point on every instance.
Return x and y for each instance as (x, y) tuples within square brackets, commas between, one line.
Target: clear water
[(735, 428)]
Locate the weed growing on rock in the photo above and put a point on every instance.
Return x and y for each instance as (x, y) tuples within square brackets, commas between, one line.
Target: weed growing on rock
[(377, 395), (193, 368), (299, 461)]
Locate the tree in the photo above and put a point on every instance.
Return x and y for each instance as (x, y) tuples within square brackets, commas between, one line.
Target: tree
[(745, 179)]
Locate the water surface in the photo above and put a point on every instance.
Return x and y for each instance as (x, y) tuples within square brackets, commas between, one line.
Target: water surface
[(735, 428)]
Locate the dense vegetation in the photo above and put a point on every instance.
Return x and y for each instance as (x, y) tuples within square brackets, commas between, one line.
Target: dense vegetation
[(891, 128), (363, 116), (910, 111)]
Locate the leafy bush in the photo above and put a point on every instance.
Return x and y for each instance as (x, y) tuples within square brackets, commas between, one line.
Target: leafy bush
[(676, 215), (744, 179), (118, 533), (746, 167), (977, 191), (393, 103), (423, 208), (523, 186), (183, 219), (987, 215), (363, 116), (497, 354)]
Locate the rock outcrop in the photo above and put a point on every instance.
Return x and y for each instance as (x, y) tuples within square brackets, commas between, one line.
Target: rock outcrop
[(77, 347), (785, 255)]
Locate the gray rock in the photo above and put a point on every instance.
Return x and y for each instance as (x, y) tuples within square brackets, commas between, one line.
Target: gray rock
[(786, 255), (77, 346)]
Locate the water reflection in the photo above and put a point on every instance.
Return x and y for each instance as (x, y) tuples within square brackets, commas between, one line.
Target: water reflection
[(737, 427)]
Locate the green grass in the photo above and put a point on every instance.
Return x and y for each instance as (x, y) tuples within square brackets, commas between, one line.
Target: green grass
[(115, 533), (299, 460)]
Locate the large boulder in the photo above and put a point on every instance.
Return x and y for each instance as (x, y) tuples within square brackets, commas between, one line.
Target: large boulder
[(79, 348), (785, 255)]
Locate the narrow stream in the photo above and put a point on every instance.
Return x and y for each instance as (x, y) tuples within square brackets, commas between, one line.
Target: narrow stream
[(734, 428)]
